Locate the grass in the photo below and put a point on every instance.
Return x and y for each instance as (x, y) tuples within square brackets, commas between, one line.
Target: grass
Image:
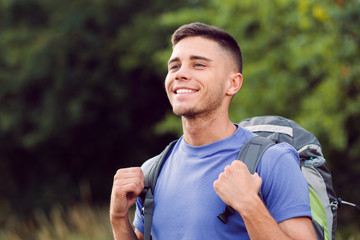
[(81, 222), (86, 222)]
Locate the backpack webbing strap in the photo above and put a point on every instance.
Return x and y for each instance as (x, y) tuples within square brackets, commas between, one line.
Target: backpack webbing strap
[(147, 195), (250, 154)]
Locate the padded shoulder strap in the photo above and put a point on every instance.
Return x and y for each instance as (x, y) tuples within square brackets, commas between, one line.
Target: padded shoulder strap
[(147, 195), (253, 150), (250, 154), (153, 171)]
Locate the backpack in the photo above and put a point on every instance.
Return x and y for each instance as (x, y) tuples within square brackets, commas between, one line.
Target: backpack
[(270, 130), (323, 201)]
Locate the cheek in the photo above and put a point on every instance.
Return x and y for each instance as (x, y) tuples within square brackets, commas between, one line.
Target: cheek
[(167, 84)]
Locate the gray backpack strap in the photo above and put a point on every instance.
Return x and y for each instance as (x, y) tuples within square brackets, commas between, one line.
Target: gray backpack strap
[(250, 154), (147, 195), (253, 150)]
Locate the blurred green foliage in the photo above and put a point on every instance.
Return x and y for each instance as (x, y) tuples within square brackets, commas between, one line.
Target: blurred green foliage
[(81, 87), (78, 87)]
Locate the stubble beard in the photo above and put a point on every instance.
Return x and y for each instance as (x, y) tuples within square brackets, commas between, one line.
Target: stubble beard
[(204, 111)]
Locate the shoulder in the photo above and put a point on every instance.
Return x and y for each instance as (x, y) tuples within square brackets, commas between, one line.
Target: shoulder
[(284, 189), (278, 163)]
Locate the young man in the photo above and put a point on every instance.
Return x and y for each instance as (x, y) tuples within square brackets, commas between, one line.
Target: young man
[(201, 174)]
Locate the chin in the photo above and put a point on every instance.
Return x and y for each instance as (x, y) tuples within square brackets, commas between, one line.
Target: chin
[(189, 114), (184, 112)]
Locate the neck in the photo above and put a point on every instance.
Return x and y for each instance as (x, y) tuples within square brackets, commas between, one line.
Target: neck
[(199, 131)]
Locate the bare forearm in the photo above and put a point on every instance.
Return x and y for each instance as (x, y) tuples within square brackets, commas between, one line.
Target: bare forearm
[(122, 229), (259, 223)]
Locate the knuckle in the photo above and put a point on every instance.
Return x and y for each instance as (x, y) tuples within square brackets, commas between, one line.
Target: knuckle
[(216, 184), (136, 186), (237, 163), (117, 174), (140, 174), (133, 185), (222, 177)]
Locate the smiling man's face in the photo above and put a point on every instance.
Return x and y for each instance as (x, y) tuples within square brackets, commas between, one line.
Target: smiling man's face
[(198, 71)]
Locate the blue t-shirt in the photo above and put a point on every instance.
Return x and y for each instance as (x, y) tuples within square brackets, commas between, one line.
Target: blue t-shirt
[(186, 205)]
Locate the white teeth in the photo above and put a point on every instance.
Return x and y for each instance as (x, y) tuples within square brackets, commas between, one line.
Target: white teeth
[(182, 91)]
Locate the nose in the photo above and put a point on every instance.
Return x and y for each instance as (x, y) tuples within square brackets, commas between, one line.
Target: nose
[(182, 74)]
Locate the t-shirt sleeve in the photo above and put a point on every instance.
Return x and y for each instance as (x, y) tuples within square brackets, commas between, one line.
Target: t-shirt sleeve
[(285, 191), (138, 218)]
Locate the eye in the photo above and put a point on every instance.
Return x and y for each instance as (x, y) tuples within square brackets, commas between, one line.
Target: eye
[(199, 65), (174, 66)]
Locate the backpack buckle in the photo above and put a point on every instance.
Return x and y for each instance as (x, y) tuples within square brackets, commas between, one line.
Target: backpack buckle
[(142, 212)]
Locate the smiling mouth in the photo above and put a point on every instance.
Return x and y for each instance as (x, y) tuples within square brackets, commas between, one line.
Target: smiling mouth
[(185, 91)]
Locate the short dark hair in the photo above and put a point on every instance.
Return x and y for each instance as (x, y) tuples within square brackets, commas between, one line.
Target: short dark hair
[(216, 34)]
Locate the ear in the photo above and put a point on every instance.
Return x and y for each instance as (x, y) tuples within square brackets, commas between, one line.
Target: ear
[(236, 81)]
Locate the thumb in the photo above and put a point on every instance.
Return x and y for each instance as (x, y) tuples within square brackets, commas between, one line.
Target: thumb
[(257, 180)]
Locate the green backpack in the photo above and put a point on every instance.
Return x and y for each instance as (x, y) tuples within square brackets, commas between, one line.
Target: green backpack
[(271, 130)]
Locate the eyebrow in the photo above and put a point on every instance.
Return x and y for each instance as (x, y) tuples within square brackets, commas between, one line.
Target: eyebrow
[(193, 57)]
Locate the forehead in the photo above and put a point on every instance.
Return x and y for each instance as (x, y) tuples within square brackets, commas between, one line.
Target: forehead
[(198, 46)]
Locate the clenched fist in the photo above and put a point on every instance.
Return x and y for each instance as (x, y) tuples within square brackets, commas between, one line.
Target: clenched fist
[(236, 186), (128, 184)]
